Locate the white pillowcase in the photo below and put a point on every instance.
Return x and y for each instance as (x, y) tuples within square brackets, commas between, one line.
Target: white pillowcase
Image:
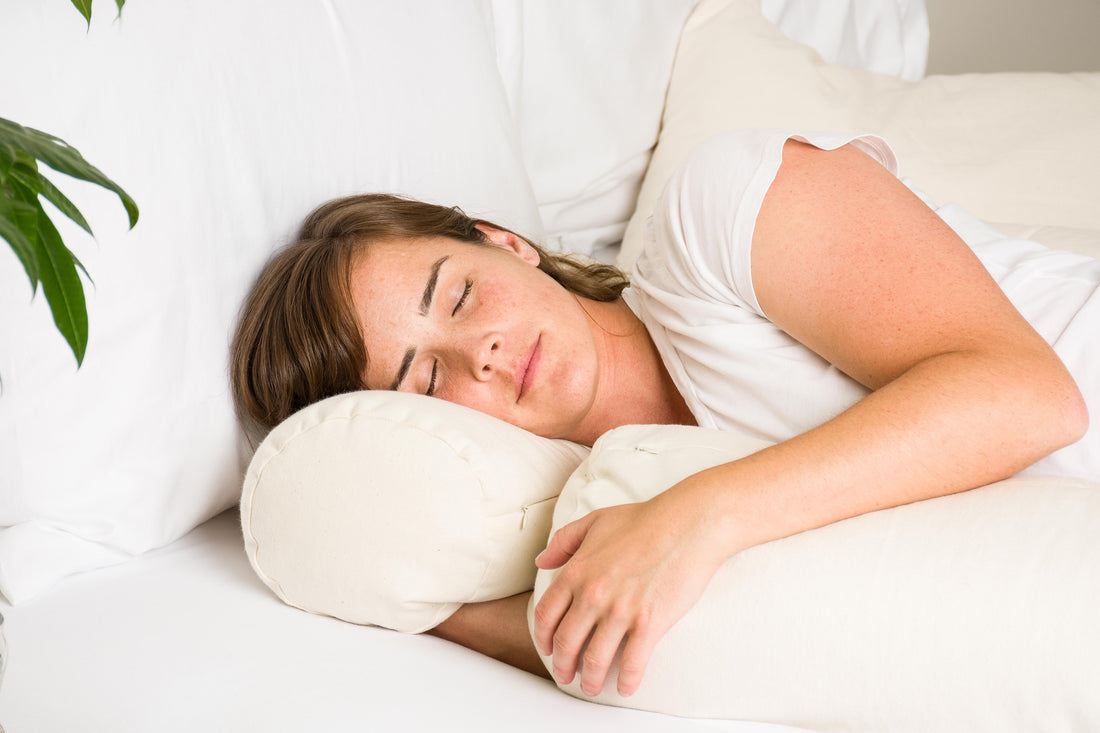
[(393, 509), (972, 612), (587, 85), (227, 122), (1006, 147), (885, 36)]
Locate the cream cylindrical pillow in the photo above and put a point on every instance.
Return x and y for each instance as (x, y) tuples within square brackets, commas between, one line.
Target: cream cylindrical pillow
[(972, 612), (393, 509)]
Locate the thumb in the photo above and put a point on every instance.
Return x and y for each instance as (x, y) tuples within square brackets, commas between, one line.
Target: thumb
[(563, 544)]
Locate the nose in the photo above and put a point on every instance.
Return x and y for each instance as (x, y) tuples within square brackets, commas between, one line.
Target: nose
[(485, 352)]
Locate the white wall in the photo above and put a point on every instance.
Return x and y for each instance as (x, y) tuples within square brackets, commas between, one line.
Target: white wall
[(1013, 35)]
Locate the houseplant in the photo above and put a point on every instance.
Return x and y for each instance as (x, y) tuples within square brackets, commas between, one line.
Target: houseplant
[(26, 226)]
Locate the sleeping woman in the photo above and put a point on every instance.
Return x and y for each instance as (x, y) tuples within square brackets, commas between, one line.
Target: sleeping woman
[(791, 287)]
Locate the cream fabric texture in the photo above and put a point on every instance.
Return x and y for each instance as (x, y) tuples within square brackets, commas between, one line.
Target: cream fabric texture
[(974, 612), (393, 509), (1011, 147)]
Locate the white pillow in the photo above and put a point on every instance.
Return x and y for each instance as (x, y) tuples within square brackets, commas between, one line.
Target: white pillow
[(587, 83), (227, 122), (972, 612), (1006, 147), (886, 36), (1082, 241), (394, 509)]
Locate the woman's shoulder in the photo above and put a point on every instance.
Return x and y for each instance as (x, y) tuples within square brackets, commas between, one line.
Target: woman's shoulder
[(698, 237)]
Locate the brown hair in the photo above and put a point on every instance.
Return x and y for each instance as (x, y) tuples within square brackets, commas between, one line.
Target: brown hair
[(298, 340)]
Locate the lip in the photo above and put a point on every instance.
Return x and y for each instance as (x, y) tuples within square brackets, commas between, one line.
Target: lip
[(528, 367)]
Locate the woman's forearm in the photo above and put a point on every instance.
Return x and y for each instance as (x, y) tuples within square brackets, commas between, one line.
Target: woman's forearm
[(497, 629), (956, 421)]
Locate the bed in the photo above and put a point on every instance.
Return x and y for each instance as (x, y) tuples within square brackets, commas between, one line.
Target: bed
[(128, 596)]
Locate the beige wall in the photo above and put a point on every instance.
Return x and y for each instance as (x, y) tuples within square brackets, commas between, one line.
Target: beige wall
[(1013, 35)]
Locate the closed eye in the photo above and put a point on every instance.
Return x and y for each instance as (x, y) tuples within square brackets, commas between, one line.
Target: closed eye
[(431, 384), (462, 300)]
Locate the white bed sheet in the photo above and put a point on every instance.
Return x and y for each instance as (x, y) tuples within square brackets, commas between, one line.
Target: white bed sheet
[(186, 638)]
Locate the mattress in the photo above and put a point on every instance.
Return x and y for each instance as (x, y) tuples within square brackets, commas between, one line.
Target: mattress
[(187, 638)]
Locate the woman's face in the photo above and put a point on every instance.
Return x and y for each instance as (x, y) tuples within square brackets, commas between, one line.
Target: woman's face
[(478, 325)]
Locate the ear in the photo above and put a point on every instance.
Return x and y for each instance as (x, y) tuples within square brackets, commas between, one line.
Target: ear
[(511, 242)]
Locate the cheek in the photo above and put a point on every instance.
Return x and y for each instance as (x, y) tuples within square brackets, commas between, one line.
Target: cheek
[(493, 301), (477, 397)]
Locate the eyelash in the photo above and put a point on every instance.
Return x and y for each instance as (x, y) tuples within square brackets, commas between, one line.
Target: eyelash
[(431, 384), (465, 294), (458, 306)]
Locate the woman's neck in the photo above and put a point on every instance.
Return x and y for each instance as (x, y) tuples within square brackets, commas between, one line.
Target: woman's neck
[(635, 387)]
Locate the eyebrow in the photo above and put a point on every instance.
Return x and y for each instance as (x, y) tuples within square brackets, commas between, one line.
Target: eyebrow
[(425, 307), (429, 289)]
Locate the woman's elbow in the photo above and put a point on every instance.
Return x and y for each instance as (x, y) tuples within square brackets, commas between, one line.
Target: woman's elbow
[(1077, 416), (1070, 413), (1044, 400)]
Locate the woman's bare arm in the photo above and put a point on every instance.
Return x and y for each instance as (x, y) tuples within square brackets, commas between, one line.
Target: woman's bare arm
[(848, 261), (497, 629)]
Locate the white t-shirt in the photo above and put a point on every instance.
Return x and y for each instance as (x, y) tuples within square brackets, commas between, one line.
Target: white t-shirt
[(692, 287)]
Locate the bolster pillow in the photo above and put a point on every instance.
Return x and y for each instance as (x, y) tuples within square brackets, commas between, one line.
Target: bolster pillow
[(972, 612), (393, 509)]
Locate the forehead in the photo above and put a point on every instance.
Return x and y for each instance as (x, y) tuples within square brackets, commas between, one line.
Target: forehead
[(389, 263), (393, 256), (387, 283), (391, 270), (404, 252), (384, 276), (386, 267)]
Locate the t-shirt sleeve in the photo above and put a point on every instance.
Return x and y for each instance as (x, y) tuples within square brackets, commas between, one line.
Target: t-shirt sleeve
[(698, 240)]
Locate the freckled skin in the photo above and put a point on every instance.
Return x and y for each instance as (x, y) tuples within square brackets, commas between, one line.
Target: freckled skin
[(478, 342)]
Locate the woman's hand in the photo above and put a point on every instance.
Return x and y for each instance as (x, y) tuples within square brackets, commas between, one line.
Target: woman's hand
[(630, 572)]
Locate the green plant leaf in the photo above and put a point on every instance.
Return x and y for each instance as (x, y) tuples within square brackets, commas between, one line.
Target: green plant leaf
[(30, 177), (85, 8), (7, 158), (25, 225), (19, 209), (62, 286), (21, 243), (64, 158)]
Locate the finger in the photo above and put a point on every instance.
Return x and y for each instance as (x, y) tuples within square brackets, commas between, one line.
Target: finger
[(570, 640), (635, 659), (599, 654), (564, 544), (549, 611)]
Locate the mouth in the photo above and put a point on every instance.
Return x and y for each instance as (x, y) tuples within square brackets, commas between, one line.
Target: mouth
[(528, 367)]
